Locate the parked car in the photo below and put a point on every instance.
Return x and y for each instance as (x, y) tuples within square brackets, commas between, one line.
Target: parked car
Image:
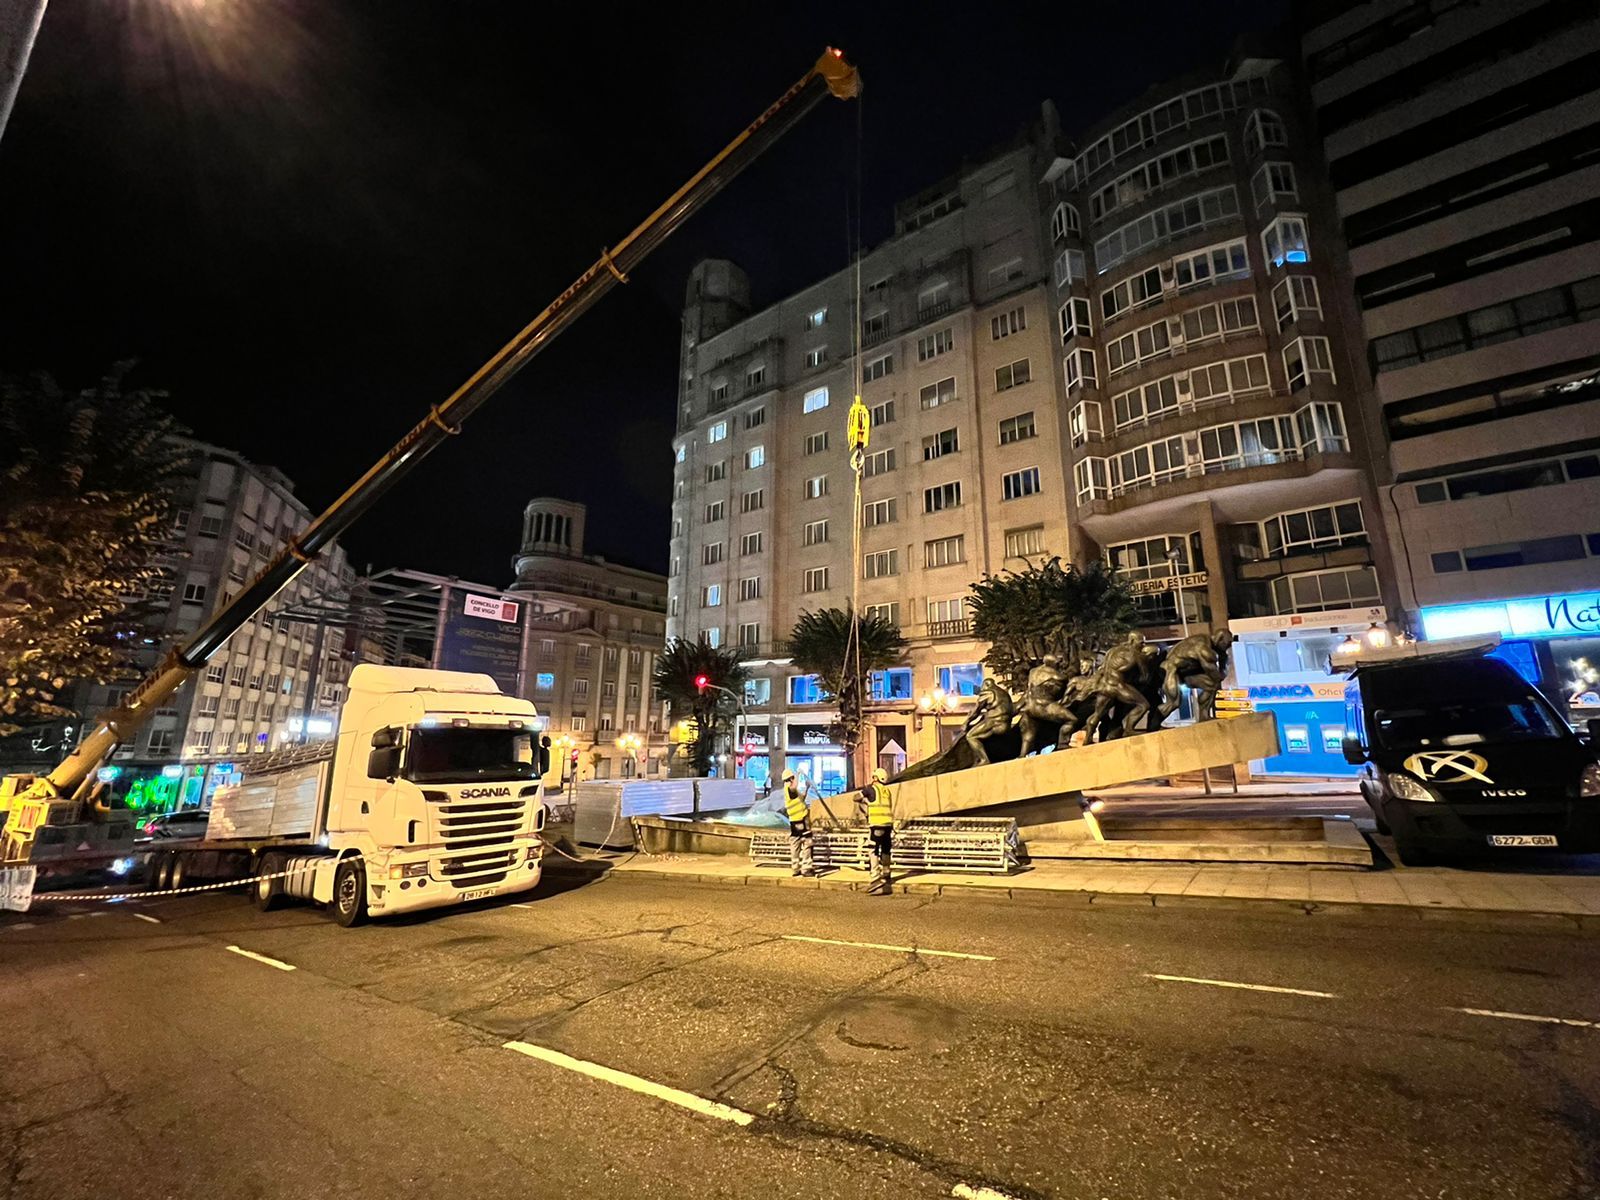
[(188, 823), (1460, 755)]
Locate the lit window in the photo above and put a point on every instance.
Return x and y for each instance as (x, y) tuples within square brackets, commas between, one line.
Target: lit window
[(711, 596), (754, 457), (816, 579), (815, 533), (882, 563), (944, 552), (1285, 240), (1022, 542), (816, 356), (817, 318), (717, 432), (814, 399), (816, 487), (545, 681)]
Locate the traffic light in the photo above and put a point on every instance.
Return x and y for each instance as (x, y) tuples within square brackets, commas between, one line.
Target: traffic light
[(574, 756), (701, 682)]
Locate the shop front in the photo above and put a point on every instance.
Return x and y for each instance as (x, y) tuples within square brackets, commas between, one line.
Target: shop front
[(754, 756), (1554, 641), (1280, 665), (810, 750)]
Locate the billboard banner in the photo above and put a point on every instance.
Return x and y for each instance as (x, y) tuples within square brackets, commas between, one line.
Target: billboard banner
[(482, 634)]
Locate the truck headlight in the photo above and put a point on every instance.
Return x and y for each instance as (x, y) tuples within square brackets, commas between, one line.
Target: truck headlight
[(1406, 788), (1589, 781), (408, 870)]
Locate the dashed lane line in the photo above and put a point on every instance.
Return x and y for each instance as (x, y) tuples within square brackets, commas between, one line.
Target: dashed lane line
[(262, 958), (797, 937), (1575, 1022), (1248, 987), (965, 1191), (148, 917), (634, 1083)]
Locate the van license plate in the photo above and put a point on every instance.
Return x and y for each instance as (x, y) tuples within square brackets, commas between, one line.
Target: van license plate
[(477, 894), (1522, 839)]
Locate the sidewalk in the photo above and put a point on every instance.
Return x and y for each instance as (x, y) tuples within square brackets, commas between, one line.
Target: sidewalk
[(1408, 892)]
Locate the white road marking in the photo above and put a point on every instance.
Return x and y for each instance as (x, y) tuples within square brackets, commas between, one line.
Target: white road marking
[(523, 906), (796, 937), (965, 1191), (1248, 987), (634, 1083), (262, 958), (148, 917), (1511, 1016), (22, 925)]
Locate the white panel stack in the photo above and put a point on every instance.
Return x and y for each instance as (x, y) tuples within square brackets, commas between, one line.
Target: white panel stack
[(725, 795), (601, 807), (280, 803)]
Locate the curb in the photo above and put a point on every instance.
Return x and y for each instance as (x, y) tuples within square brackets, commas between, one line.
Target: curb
[(1562, 922)]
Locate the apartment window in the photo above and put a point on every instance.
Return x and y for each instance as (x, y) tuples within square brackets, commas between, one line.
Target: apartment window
[(815, 533), (1091, 478), (750, 635), (1020, 543), (1296, 296), (608, 690), (942, 611), (719, 393), (888, 613), (878, 368), (875, 326), (877, 285), (1534, 313), (814, 399), (753, 501), (1073, 319), (255, 682), (716, 471), (1017, 429), (1160, 172), (1136, 291), (230, 707), (717, 432), (236, 676), (1313, 529), (816, 487), (580, 688), (711, 554), (1178, 219), (934, 344), (711, 596), (1264, 129), (805, 689), (1083, 422), (210, 527), (180, 521), (584, 651), (1305, 358), (946, 495), (1079, 368), (879, 512), (1017, 484), (883, 414), (715, 511), (816, 356), (547, 646), (882, 563), (880, 462), (208, 706), (816, 579), (1227, 260), (1273, 182), (750, 544), (939, 445), (244, 539), (194, 593), (580, 724), (1011, 375), (1064, 222), (754, 377), (750, 588), (1285, 240), (816, 443), (944, 552), (817, 318), (1141, 345), (1517, 478), (754, 457), (1233, 377), (1318, 591), (1070, 268), (1007, 323), (1005, 273), (757, 692), (942, 392), (215, 673)]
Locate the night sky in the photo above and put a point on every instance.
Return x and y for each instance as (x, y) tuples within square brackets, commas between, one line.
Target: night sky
[(310, 219)]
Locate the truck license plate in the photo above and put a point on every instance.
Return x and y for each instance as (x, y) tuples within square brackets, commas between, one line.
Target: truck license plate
[(477, 894), (1522, 839)]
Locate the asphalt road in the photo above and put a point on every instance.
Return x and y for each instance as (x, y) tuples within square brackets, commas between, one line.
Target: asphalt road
[(145, 1058)]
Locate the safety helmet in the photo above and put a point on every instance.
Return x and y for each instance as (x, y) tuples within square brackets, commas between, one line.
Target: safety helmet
[(788, 776), (880, 776)]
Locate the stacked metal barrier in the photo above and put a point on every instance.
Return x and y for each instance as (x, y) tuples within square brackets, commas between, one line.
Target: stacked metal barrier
[(973, 844)]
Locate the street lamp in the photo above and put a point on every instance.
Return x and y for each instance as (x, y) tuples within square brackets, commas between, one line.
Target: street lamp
[(630, 744), (562, 746), (938, 702), (1177, 592)]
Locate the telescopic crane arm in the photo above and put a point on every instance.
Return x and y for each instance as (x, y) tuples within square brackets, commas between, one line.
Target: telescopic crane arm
[(74, 778)]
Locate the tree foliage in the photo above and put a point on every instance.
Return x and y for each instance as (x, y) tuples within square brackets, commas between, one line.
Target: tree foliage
[(1048, 609), (819, 644), (84, 493), (676, 670)]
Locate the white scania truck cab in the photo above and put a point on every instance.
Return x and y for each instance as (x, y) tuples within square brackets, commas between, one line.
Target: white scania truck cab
[(431, 795)]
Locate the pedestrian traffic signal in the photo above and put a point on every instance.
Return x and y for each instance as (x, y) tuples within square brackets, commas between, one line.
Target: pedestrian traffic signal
[(701, 682)]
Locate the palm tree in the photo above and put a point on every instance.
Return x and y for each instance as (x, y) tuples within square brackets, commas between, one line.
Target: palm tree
[(1067, 611), (679, 668), (820, 645)]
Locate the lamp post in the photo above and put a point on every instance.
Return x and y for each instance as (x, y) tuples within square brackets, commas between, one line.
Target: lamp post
[(630, 744), (703, 683), (938, 702), (1177, 592), (563, 746)]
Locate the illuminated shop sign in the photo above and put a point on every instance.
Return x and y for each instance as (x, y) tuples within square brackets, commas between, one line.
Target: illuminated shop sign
[(1576, 614)]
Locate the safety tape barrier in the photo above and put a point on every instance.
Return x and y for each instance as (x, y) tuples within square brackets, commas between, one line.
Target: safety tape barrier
[(52, 897)]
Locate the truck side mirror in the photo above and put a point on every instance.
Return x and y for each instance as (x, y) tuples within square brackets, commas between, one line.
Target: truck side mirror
[(383, 739), (544, 755), (1354, 754), (383, 762)]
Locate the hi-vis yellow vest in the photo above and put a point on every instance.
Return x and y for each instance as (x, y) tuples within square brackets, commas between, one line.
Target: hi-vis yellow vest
[(879, 810), (794, 802)]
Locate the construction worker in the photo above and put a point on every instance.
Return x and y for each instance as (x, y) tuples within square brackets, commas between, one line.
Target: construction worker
[(797, 807), (879, 808)]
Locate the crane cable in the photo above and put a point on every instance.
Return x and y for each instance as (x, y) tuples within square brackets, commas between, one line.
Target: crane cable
[(852, 678)]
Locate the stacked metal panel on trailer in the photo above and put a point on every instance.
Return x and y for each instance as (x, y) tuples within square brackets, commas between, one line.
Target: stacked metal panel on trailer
[(281, 796), (725, 795)]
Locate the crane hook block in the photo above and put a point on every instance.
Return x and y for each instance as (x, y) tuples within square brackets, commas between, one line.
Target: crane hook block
[(843, 80), (859, 425)]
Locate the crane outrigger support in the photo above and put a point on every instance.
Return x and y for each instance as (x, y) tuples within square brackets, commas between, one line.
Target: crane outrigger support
[(56, 798)]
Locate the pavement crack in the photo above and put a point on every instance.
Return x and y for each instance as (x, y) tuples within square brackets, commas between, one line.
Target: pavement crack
[(863, 1043)]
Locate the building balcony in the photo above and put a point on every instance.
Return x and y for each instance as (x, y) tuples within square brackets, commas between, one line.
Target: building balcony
[(961, 627)]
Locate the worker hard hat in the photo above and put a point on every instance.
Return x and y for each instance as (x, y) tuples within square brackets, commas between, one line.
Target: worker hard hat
[(880, 776), (788, 776)]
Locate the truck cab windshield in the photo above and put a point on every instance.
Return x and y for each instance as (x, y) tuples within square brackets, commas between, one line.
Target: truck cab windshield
[(464, 755), (1466, 723)]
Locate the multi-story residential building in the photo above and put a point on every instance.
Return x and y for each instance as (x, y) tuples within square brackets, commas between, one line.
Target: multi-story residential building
[(1217, 452), (594, 632), (229, 519), (1461, 140), (964, 473)]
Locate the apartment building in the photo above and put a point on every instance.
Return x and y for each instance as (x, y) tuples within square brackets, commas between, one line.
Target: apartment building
[(1461, 140), (1211, 372), (964, 473), (594, 631)]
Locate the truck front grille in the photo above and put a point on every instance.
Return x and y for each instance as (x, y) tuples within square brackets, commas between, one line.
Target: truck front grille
[(480, 822), (477, 870)]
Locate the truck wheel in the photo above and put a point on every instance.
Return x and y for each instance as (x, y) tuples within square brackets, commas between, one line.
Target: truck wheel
[(268, 893), (350, 893), (157, 878), (176, 873)]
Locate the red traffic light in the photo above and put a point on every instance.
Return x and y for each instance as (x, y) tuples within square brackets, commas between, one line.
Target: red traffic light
[(574, 758), (701, 681)]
